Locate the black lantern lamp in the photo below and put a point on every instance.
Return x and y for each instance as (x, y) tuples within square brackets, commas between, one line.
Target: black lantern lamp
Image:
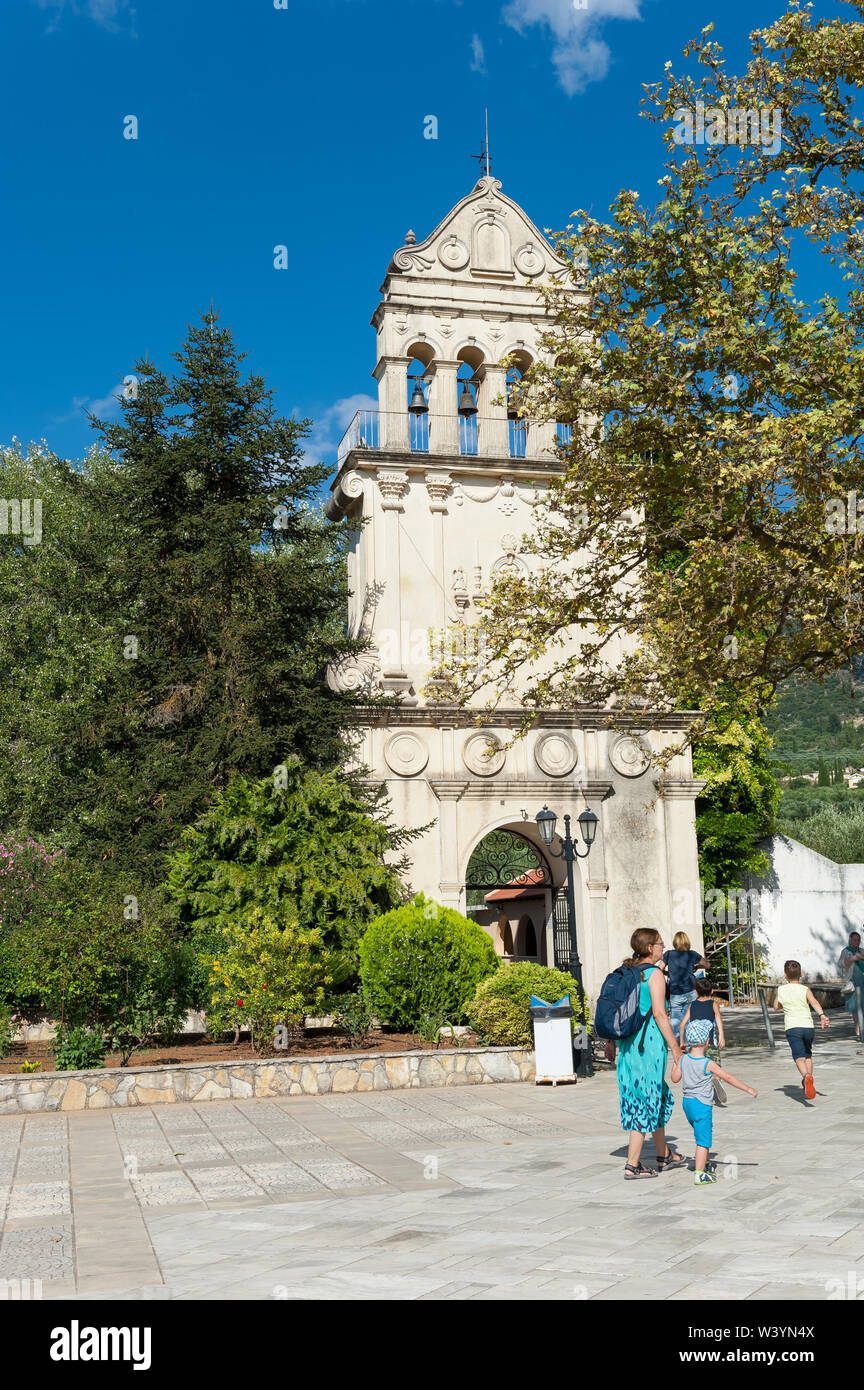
[(588, 826), (546, 821)]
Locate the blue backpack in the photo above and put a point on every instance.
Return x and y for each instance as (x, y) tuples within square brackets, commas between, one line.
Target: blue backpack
[(618, 1014)]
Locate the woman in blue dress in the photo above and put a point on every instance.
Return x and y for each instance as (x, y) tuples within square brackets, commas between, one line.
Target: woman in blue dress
[(646, 1100)]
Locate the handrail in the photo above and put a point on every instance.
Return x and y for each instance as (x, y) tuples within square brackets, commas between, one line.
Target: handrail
[(464, 435)]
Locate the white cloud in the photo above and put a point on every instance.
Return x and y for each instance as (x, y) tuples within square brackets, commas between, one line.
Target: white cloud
[(478, 54), (113, 15), (104, 406), (328, 429), (580, 55)]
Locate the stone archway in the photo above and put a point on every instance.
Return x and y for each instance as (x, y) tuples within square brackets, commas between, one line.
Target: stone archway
[(509, 888)]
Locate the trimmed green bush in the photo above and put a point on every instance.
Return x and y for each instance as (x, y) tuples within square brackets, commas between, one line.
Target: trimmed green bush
[(501, 1008), (423, 959)]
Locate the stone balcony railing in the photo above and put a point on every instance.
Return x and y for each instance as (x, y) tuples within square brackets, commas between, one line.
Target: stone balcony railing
[(458, 435)]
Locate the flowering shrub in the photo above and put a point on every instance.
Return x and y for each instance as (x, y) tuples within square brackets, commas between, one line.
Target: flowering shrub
[(267, 972), (25, 870)]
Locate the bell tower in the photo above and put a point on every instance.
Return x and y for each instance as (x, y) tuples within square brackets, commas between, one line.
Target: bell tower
[(442, 480), (448, 479)]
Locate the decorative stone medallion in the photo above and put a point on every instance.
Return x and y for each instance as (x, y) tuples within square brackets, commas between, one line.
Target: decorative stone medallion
[(406, 755), (453, 253), (484, 754), (630, 755), (529, 260), (555, 754)]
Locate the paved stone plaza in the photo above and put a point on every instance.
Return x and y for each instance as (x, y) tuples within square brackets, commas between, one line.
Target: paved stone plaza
[(482, 1192)]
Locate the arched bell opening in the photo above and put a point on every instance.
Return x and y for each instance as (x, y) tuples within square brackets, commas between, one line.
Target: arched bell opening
[(517, 422), (563, 427), (468, 379), (418, 382)]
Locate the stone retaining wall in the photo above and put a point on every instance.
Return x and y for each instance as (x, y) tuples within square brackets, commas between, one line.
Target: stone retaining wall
[(198, 1081)]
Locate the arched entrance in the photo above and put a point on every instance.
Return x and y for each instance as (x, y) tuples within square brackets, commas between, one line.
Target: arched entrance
[(509, 889)]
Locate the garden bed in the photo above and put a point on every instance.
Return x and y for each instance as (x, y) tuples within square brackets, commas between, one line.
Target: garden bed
[(315, 1042)]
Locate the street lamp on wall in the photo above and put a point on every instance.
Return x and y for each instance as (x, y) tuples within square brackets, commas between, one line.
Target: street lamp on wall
[(569, 852)]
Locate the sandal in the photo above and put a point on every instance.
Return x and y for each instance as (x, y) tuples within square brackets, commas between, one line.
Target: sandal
[(671, 1159), (631, 1172)]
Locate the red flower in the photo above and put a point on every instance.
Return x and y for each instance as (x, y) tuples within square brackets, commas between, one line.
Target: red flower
[(239, 1003)]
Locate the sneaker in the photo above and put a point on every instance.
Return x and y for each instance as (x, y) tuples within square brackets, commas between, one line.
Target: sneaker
[(703, 1179), (809, 1088)]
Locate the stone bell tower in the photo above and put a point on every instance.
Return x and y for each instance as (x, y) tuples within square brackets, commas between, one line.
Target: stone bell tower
[(442, 482)]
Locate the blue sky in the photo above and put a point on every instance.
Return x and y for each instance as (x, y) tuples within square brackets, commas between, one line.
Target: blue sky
[(304, 127)]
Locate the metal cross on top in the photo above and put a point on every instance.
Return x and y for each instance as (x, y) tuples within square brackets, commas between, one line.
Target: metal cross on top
[(484, 156)]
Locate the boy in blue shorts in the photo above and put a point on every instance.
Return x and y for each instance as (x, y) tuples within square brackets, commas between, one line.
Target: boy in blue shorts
[(697, 1073)]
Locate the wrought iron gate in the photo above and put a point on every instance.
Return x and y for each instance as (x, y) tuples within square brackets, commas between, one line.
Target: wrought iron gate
[(561, 931), (503, 859)]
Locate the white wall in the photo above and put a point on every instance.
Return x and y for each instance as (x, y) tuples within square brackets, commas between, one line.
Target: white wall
[(807, 907)]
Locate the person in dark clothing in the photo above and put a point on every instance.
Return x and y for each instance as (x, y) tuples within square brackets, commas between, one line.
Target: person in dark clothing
[(705, 1007), (681, 962)]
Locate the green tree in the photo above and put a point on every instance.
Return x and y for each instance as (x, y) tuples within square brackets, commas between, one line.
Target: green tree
[(301, 847), (835, 830), (738, 804), (824, 778), (716, 416), (173, 625)]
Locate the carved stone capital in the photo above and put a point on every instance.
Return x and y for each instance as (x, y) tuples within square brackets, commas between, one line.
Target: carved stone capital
[(392, 484), (438, 486)]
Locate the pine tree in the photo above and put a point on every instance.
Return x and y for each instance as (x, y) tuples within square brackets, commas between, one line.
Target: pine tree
[(176, 629)]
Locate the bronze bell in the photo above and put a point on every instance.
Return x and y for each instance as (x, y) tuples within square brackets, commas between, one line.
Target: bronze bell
[(466, 401), (418, 404)]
